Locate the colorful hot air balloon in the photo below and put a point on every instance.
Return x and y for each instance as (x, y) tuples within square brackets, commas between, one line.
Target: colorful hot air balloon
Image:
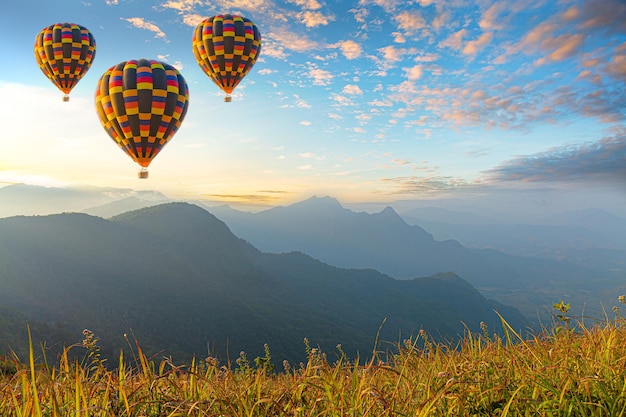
[(141, 104), (226, 47), (64, 52)]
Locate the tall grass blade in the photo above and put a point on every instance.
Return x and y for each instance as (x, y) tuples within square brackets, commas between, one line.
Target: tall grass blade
[(33, 376)]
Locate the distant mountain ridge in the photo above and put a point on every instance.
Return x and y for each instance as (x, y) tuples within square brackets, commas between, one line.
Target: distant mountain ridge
[(582, 258), (322, 228), (174, 276), (29, 200)]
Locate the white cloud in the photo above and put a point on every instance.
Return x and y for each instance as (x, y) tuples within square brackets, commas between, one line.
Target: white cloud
[(472, 47), (314, 19), (342, 100), (320, 76), (491, 20), (411, 21), (291, 40), (141, 23), (414, 73), (302, 103), (307, 4), (455, 41), (350, 49), (179, 5), (352, 89), (392, 54), (245, 4), (193, 19)]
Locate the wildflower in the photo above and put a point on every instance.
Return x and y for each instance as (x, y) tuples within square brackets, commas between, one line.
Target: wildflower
[(89, 338), (622, 299)]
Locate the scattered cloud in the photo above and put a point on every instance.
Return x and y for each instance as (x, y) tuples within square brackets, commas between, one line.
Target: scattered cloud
[(350, 49), (455, 40), (252, 5), (601, 161), (410, 21), (266, 71), (141, 23), (261, 198), (320, 76), (293, 41), (342, 100), (307, 4), (491, 19), (414, 73), (609, 15), (472, 47), (182, 6), (314, 19), (425, 184), (193, 19), (352, 89)]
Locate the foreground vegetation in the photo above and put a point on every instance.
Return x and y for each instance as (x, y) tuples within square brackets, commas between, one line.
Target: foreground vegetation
[(569, 370)]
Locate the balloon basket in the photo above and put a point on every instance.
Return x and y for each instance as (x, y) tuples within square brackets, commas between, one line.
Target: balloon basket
[(143, 173), (228, 99), (66, 98)]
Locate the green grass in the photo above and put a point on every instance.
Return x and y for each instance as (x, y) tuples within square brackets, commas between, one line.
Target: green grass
[(569, 370)]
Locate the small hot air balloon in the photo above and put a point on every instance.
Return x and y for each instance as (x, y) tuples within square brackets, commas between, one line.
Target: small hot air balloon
[(141, 104), (64, 52), (226, 48)]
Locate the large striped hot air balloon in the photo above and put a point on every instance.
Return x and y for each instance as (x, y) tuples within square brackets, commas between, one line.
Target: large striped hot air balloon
[(226, 48), (141, 104), (64, 52)]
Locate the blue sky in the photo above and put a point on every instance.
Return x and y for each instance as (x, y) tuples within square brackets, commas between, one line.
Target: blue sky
[(364, 100)]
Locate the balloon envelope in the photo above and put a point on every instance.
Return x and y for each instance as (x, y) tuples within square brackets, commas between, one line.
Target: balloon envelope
[(141, 104), (64, 52), (226, 47)]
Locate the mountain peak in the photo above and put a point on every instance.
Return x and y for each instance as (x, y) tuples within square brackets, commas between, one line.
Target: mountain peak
[(318, 204), (389, 213), (388, 210), (325, 201), (174, 218)]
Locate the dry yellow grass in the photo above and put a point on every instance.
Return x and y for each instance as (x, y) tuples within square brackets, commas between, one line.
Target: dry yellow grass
[(558, 373)]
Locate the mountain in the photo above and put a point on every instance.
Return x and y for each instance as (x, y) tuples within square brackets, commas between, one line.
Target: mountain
[(591, 227), (23, 199), (322, 228), (590, 237), (123, 205), (595, 220), (176, 278), (438, 214)]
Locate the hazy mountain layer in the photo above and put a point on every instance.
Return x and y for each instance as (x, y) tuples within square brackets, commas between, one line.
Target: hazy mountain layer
[(175, 277), (322, 228)]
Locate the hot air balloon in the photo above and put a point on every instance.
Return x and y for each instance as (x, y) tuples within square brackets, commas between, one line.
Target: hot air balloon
[(64, 52), (141, 104), (226, 47)]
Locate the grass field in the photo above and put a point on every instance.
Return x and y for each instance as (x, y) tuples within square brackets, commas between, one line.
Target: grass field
[(571, 369)]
